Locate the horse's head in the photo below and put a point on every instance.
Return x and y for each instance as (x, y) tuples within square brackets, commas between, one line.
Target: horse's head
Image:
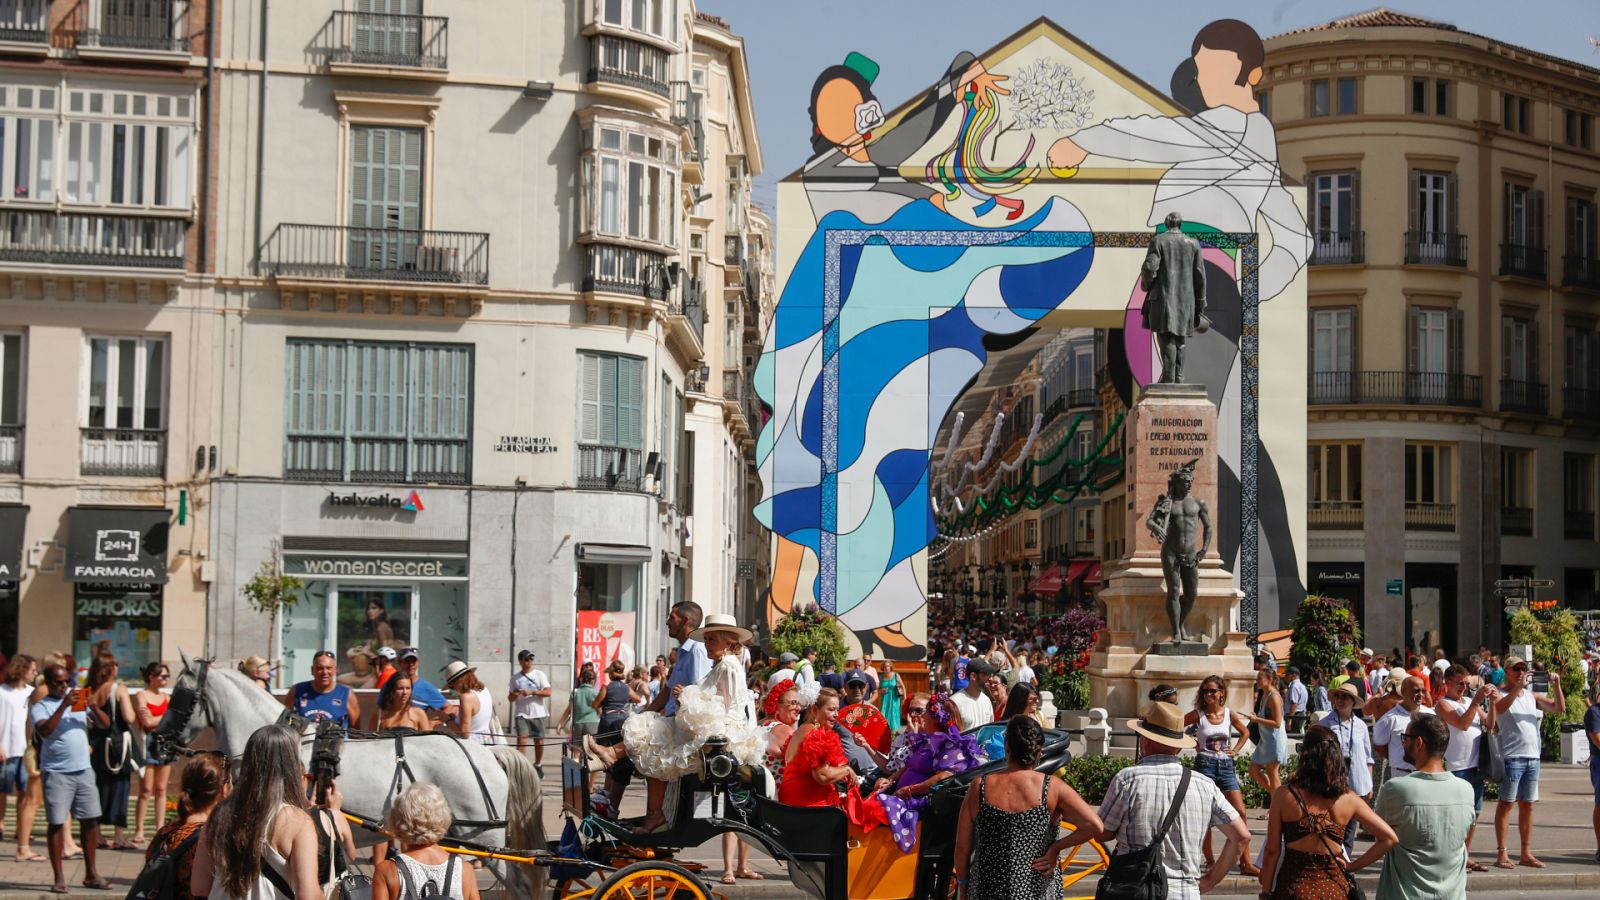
[(187, 714)]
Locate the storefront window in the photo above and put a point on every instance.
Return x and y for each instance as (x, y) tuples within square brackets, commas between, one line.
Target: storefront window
[(612, 587), (127, 617)]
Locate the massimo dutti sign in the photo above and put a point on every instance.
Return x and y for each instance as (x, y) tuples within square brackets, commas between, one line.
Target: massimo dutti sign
[(117, 545)]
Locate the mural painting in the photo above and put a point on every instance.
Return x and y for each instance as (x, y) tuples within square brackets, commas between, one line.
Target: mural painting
[(925, 252)]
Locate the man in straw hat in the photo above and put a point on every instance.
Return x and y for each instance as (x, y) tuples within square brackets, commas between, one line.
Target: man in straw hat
[(1350, 730), (1139, 797)]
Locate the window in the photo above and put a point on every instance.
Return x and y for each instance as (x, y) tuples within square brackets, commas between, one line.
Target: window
[(1578, 489), (1579, 129), (1516, 113), (610, 421), (1430, 486), (736, 203), (1333, 340), (1516, 491), (1433, 209), (427, 613), (12, 366), (1435, 340), (1582, 356), (631, 184), (1264, 101), (128, 149), (1347, 96), (654, 17), (127, 383), (1520, 349), (1334, 484), (1320, 105), (1580, 227), (1441, 97), (28, 118), (1334, 208), (377, 411), (1524, 220), (1430, 95)]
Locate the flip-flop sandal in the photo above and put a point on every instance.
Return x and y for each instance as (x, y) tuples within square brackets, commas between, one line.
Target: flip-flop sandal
[(58, 889), (729, 879), (30, 856), (76, 854), (749, 875), (98, 885)]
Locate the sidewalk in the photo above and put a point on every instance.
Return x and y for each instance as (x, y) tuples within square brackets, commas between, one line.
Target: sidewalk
[(1563, 838)]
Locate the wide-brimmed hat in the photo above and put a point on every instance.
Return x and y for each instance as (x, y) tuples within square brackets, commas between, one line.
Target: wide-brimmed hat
[(1163, 723), (1349, 688), (787, 657), (720, 622), (456, 669)]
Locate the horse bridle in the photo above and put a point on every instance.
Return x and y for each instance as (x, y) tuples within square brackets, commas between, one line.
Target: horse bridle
[(165, 744)]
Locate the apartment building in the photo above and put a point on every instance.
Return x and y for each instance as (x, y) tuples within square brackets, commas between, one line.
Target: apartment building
[(470, 359), (1454, 397), (105, 327)]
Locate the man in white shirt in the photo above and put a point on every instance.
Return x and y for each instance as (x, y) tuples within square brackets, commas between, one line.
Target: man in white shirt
[(805, 671), (1295, 699), (1392, 724), (1350, 730), (972, 704), (785, 670), (527, 693), (1377, 676)]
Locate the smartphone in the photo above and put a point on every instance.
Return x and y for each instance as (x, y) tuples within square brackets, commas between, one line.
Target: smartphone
[(80, 700), (1540, 682)]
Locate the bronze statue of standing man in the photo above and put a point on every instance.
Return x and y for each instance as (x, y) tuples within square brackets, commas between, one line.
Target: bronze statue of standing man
[(1174, 280), (1175, 521)]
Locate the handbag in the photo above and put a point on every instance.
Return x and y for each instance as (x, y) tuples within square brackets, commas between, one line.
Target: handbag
[(1491, 764), (1353, 889), (1140, 874)]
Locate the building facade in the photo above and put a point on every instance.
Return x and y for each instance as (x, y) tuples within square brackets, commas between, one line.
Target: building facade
[(470, 371), (1454, 394), (106, 250)]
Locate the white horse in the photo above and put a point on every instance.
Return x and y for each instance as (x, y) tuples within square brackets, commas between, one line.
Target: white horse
[(495, 794)]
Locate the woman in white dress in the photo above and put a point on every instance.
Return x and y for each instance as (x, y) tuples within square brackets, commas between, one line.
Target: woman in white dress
[(668, 747)]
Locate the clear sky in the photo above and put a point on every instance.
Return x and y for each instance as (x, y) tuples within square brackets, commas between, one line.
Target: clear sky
[(789, 43)]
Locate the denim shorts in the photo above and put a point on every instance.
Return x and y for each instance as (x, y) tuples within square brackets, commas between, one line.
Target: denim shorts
[(1220, 770), (1471, 776), (13, 776), (1522, 780)]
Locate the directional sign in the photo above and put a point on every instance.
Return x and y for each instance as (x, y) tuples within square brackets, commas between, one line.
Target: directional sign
[(1394, 587), (1511, 592), (1541, 582), (1510, 583)]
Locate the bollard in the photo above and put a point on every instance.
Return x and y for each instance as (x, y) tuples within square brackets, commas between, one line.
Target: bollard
[(1574, 744), (1097, 734), (1047, 706)]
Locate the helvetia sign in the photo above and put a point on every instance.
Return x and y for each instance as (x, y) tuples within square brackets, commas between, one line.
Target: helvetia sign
[(412, 502)]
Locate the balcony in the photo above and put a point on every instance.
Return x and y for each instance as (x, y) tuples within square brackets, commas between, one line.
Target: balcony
[(1516, 521), (1581, 403), (364, 40), (625, 270), (131, 28), (1436, 248), (346, 253), (25, 23), (1523, 261), (10, 449), (603, 467), (686, 111), (1578, 524), (91, 239), (397, 460), (138, 452), (1581, 272), (1334, 515), (1408, 388), (737, 390), (620, 60), (1430, 516), (1339, 248), (733, 257), (690, 306), (1524, 396), (1077, 398)]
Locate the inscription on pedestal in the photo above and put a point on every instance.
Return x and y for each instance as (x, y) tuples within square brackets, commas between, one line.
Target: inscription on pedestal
[(1171, 425)]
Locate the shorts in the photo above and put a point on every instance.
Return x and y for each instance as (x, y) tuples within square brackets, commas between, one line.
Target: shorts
[(1522, 780), (13, 776), (533, 728), (609, 733), (70, 794), (582, 730), (1471, 776), (1220, 770), (1594, 777)]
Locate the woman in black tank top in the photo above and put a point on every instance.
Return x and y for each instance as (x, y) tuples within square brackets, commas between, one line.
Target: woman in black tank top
[(613, 704)]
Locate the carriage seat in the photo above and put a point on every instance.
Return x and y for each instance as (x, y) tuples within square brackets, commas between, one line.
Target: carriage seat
[(808, 833)]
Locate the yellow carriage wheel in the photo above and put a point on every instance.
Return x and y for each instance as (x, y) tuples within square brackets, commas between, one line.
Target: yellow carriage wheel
[(1079, 863), (652, 881)]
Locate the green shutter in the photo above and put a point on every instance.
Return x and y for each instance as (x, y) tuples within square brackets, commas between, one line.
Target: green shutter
[(378, 383), (379, 38), (440, 410), (608, 400), (588, 398), (314, 406), (385, 193), (630, 402)]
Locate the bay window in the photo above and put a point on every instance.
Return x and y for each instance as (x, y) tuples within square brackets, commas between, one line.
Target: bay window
[(630, 184), (27, 142)]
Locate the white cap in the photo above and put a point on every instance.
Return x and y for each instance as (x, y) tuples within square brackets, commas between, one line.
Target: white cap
[(1441, 664)]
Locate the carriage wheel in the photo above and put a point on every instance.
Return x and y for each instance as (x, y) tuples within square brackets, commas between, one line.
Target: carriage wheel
[(652, 881), (1080, 862)]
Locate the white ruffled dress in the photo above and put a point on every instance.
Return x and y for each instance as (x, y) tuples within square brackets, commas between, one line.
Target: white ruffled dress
[(668, 747)]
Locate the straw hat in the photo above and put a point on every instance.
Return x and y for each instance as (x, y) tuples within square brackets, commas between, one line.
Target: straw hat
[(720, 622), (1349, 688), (1163, 723), (456, 669)]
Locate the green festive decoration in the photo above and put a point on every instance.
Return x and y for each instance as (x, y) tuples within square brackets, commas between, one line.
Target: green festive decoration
[(810, 627), (1005, 499), (1325, 634)]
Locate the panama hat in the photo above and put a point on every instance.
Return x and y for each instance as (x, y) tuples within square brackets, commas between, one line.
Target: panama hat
[(1163, 723), (1350, 689), (720, 622), (456, 669)]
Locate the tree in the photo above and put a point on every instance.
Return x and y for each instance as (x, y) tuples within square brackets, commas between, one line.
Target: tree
[(810, 627), (1325, 634), (270, 591)]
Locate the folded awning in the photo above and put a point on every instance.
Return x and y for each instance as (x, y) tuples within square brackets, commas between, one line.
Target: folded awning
[(615, 554), (1048, 582), (117, 545), (1077, 570), (1092, 576)]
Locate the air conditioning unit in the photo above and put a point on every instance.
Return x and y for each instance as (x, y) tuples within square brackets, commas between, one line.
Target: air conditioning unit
[(439, 259)]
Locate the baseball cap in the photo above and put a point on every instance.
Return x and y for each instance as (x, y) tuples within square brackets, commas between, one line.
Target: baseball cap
[(981, 666), (855, 678), (524, 654), (1366, 651), (387, 652), (787, 657), (410, 653), (1511, 662)]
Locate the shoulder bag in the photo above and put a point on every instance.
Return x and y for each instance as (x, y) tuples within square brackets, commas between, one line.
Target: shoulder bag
[(1140, 874), (1353, 889), (1491, 763)]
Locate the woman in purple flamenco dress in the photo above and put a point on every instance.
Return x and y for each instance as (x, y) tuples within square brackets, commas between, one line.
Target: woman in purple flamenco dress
[(930, 752)]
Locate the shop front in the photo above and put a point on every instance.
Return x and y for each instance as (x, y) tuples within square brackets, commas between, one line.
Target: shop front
[(117, 565), (1343, 580), (13, 521)]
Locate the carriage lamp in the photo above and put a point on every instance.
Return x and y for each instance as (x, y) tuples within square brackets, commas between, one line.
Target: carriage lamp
[(720, 763)]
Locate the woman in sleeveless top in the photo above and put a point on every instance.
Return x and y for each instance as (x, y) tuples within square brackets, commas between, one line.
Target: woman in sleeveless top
[(395, 712), (1214, 726), (260, 840), (613, 704), (1306, 825), (1008, 821), (418, 819), (111, 747), (1272, 746), (475, 710), (149, 705)]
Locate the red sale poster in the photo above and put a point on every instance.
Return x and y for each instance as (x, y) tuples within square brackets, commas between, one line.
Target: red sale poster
[(602, 637)]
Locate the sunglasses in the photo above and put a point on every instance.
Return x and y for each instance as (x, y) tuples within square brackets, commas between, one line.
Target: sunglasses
[(1209, 691), (916, 710)]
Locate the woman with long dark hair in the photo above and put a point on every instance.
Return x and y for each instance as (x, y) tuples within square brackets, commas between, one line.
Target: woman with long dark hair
[(149, 705), (261, 840), (1307, 820), (395, 712), (1213, 725), (379, 632), (111, 721), (1023, 700)]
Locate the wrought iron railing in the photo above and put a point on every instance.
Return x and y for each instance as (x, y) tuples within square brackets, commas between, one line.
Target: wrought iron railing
[(1578, 524), (1324, 515), (160, 26), (737, 389), (123, 451), (1522, 260), (1436, 248), (25, 21), (385, 39), (686, 111), (1523, 396), (10, 449), (347, 253), (1081, 397), (399, 460), (1430, 516), (1581, 271), (1423, 388), (626, 61), (1339, 247), (1580, 403), (691, 305), (91, 239), (625, 270), (1332, 387), (604, 467), (1516, 521)]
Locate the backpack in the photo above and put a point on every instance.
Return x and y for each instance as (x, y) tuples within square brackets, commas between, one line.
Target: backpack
[(429, 889), (159, 880)]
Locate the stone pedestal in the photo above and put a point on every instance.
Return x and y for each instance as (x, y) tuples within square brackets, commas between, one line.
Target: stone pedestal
[(1170, 425)]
